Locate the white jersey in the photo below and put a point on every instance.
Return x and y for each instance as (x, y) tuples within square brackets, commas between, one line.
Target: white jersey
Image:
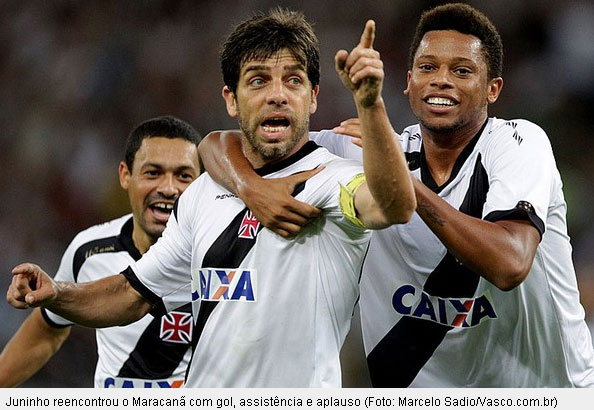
[(148, 353), (428, 321), (269, 311)]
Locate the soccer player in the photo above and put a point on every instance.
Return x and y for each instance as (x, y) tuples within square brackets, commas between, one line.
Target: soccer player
[(268, 311), (161, 161), (478, 289)]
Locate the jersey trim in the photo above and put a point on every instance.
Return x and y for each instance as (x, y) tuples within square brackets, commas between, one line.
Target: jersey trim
[(523, 211), (304, 151), (50, 322), (157, 306)]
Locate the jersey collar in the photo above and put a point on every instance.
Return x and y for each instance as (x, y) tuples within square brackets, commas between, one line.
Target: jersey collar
[(125, 239), (305, 150), (426, 176)]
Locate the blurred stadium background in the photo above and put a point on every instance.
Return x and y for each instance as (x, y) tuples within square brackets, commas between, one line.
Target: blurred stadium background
[(76, 76)]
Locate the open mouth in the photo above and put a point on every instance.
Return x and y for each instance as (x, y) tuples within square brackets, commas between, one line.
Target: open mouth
[(440, 102), (161, 211), (275, 124)]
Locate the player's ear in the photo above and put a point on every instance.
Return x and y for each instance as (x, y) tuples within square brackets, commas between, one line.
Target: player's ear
[(494, 89), (313, 106), (124, 175), (406, 90), (230, 101)]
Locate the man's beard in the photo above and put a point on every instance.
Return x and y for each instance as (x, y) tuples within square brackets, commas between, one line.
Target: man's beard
[(271, 151)]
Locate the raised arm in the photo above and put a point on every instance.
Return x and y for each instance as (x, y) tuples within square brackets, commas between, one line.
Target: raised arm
[(387, 197), (29, 349), (110, 301), (269, 199)]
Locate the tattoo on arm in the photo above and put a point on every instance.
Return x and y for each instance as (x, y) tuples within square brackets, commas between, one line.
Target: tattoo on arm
[(425, 209)]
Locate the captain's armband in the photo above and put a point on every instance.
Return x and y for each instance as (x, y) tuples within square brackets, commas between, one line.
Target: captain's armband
[(347, 199)]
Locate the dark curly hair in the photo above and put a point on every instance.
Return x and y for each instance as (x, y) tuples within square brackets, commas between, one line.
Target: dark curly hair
[(466, 20)]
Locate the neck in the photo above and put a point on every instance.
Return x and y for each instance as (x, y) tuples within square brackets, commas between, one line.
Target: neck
[(141, 240), (258, 160), (442, 149)]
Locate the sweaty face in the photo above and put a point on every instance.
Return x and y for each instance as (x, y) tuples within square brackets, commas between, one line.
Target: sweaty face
[(273, 102), (448, 87), (163, 168)]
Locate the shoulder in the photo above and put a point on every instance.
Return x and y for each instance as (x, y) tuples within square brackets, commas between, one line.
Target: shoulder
[(100, 231), (411, 138), (517, 132), (322, 136)]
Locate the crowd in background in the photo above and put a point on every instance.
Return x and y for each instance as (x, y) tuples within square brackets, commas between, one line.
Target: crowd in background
[(75, 77)]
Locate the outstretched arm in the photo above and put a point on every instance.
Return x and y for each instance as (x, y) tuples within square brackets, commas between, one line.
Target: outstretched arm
[(387, 197), (269, 199), (29, 349), (110, 301)]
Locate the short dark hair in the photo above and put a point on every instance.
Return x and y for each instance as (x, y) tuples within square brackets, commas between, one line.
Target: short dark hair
[(166, 126), (266, 34), (466, 20)]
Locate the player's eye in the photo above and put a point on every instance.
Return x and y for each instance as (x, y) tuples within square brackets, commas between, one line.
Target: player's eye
[(295, 81), (256, 82), (462, 71), (186, 177)]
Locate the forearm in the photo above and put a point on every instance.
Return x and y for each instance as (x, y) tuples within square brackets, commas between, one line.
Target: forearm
[(501, 252), (223, 158), (29, 349), (385, 166), (107, 302)]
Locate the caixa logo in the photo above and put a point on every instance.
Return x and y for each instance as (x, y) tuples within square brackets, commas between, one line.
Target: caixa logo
[(216, 284), (456, 312), (138, 383)]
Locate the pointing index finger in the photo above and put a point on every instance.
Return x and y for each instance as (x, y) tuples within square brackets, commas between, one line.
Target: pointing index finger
[(368, 35)]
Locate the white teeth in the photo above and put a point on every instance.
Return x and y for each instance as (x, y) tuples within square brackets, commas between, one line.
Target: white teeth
[(440, 101), (273, 129), (167, 207)]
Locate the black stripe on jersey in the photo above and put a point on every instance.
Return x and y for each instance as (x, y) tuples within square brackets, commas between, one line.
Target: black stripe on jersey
[(523, 211), (152, 357), (413, 160), (119, 243), (397, 359), (228, 251)]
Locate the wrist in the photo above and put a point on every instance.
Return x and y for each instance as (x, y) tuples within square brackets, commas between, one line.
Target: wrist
[(245, 184), (370, 106)]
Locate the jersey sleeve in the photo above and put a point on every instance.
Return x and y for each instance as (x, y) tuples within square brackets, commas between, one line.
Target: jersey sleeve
[(521, 167), (163, 275), (65, 273), (337, 144), (339, 176)]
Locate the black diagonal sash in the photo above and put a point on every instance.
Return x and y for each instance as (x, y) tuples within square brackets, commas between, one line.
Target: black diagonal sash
[(397, 359)]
